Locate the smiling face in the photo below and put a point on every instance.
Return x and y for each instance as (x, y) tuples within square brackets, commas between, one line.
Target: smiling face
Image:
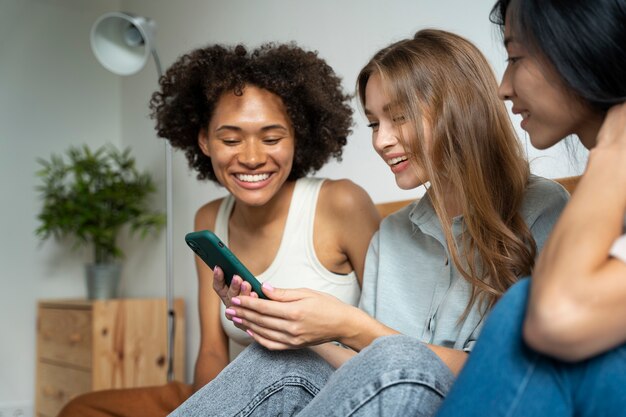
[(251, 143), (389, 129), (549, 111)]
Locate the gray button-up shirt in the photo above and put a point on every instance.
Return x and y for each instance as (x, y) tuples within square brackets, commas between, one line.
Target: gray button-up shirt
[(410, 283)]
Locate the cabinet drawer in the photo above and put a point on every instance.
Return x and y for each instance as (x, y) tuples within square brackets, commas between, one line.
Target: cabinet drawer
[(64, 335), (57, 385)]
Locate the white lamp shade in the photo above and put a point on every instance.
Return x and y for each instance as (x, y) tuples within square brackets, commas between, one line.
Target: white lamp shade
[(122, 42)]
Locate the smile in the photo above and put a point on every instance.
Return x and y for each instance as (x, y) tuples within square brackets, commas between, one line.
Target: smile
[(252, 177), (397, 160)]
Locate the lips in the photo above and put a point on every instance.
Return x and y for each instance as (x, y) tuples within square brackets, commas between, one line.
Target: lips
[(525, 114), (252, 178)]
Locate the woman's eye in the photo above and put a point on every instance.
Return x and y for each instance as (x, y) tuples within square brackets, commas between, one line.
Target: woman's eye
[(271, 141), (373, 126), (512, 59), (230, 141), (399, 119)]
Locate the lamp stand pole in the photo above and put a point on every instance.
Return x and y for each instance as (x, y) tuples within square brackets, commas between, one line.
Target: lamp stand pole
[(114, 35), (169, 238)]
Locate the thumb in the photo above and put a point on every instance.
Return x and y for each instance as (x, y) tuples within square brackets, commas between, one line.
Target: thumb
[(281, 294)]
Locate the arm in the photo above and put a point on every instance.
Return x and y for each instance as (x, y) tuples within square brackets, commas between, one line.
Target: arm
[(333, 354), (297, 318), (213, 351), (577, 305)]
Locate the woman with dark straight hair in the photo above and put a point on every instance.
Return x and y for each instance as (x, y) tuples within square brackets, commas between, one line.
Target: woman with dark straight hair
[(556, 345)]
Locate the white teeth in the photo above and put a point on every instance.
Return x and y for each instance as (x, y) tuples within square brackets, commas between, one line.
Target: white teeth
[(252, 178), (396, 160), (525, 115)]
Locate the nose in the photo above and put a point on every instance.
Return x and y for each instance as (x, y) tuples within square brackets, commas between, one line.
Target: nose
[(505, 89), (385, 137), (252, 155)]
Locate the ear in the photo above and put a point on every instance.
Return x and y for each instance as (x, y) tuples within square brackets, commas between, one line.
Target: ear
[(203, 142)]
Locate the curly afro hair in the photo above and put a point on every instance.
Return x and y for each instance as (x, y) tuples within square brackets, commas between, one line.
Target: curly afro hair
[(310, 90)]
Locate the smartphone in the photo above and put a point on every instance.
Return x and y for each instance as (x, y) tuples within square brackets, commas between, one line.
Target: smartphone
[(214, 252)]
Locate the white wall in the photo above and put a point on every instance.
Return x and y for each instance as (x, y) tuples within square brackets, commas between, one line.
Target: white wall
[(52, 93)]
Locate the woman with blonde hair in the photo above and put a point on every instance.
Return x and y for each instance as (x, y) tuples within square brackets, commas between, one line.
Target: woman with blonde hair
[(433, 270)]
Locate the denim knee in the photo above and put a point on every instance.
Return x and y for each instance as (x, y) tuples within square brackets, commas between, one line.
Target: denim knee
[(395, 376), (401, 355)]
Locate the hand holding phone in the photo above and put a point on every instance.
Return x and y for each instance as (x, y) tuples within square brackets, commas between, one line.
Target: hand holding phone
[(214, 252)]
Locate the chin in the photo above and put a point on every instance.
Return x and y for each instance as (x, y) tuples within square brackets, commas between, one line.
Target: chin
[(405, 185), (545, 140), (543, 144)]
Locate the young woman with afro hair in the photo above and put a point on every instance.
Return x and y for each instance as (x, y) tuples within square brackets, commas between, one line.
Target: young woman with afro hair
[(257, 122)]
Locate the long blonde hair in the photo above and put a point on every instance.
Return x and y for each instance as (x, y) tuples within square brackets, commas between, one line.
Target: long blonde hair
[(444, 78)]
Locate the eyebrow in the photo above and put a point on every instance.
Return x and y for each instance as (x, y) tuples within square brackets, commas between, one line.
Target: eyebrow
[(239, 129), (386, 109), (508, 40)]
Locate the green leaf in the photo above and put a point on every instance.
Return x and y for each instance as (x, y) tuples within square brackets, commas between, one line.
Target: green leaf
[(91, 194)]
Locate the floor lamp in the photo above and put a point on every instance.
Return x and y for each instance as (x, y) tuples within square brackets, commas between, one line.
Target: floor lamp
[(123, 42)]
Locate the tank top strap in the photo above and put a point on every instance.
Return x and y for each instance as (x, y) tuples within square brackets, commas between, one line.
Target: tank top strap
[(301, 216)]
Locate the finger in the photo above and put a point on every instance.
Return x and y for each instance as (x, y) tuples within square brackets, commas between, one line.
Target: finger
[(246, 288), (218, 279), (261, 306), (267, 343), (235, 286), (282, 294), (252, 318), (230, 313), (232, 316)]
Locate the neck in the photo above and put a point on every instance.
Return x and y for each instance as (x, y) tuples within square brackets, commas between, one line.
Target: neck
[(588, 130), (252, 218), (450, 200)]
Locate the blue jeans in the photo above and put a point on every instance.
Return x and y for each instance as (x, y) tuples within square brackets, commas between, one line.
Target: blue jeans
[(503, 377), (395, 376)]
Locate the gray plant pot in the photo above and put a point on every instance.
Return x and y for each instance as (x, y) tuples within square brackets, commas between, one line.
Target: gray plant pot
[(102, 280)]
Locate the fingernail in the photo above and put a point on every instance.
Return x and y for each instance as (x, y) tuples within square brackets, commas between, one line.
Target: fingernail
[(215, 269), (230, 311), (250, 333), (235, 301), (267, 286), (237, 320)]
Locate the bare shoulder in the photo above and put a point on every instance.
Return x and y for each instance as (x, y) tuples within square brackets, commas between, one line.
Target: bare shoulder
[(345, 198), (206, 214)]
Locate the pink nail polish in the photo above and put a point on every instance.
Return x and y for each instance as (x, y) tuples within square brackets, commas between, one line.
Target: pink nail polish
[(230, 311), (237, 320), (235, 301), (267, 286), (250, 333)]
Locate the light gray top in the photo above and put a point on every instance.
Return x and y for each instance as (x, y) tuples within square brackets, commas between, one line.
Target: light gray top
[(409, 283)]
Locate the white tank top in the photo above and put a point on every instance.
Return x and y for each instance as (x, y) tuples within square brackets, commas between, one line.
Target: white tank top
[(296, 264)]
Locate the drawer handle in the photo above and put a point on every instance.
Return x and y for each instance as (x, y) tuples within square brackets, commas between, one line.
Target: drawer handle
[(75, 338)]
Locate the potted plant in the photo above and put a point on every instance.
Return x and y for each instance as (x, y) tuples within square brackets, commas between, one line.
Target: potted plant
[(90, 197)]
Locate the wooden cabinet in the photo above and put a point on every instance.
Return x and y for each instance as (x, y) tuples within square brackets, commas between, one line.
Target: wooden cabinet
[(87, 345)]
